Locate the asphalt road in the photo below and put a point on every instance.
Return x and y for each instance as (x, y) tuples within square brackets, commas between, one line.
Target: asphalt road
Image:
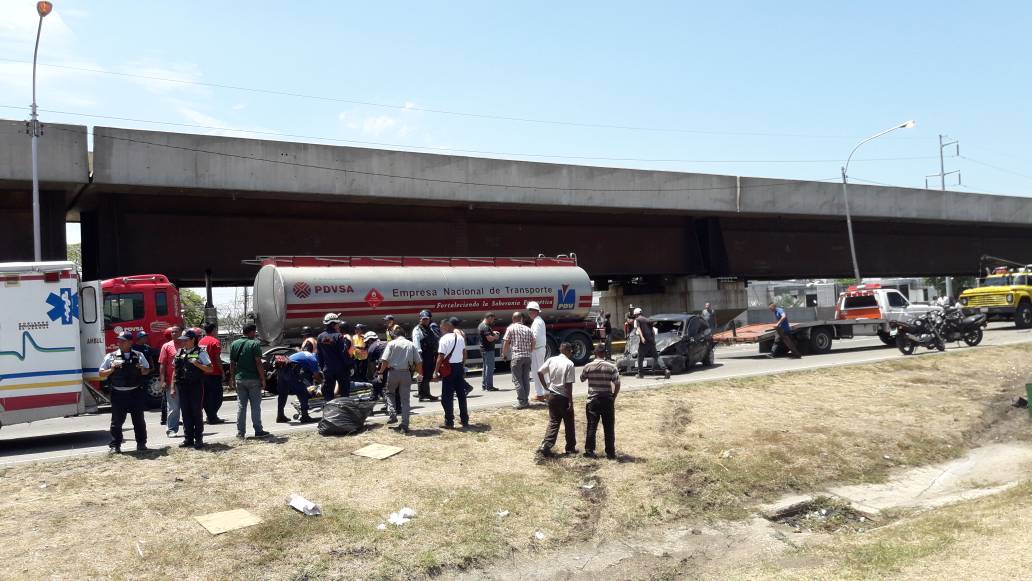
[(70, 437)]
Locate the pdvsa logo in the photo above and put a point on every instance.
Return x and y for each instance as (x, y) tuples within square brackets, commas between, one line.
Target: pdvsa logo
[(333, 289), (302, 290), (566, 298)]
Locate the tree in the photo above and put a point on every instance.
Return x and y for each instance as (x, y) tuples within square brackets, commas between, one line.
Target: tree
[(193, 307), (75, 254)]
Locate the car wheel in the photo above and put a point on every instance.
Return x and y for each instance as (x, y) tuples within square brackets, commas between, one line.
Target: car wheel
[(711, 357)]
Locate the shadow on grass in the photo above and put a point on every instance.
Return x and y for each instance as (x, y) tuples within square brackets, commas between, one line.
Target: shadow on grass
[(424, 432), (476, 428), (149, 454)]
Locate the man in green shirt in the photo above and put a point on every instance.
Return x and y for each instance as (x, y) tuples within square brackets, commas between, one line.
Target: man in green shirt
[(247, 376)]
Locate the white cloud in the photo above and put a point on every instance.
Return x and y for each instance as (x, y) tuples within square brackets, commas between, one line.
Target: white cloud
[(239, 107), (376, 126)]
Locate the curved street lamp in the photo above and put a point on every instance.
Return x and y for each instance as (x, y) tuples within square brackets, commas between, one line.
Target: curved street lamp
[(845, 191), (42, 8)]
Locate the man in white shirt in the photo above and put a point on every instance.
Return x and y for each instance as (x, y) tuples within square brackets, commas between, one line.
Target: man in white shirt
[(451, 352), (558, 373), (537, 327)]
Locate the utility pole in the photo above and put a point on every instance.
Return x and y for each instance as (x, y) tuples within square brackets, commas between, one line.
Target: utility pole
[(942, 163)]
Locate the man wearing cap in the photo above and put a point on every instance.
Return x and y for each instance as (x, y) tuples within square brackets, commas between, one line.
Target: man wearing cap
[(213, 392), (537, 327), (518, 349), (247, 377), (451, 352), (488, 340), (124, 369), (647, 344), (603, 386), (425, 337), (399, 361), (191, 364), (166, 362), (333, 353), (147, 352)]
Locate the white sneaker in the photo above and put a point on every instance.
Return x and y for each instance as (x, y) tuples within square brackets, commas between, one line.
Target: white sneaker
[(171, 433)]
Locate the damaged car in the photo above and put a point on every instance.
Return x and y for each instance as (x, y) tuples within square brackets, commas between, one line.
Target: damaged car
[(681, 340)]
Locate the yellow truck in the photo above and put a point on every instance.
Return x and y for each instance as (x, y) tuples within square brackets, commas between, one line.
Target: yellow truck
[(1005, 294)]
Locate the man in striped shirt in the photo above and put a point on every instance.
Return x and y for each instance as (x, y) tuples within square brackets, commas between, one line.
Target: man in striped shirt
[(518, 349), (603, 387)]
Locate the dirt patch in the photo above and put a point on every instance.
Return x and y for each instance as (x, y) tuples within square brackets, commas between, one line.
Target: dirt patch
[(825, 515), (696, 453)]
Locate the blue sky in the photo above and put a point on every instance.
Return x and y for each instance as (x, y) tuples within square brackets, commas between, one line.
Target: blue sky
[(796, 82), (741, 74)]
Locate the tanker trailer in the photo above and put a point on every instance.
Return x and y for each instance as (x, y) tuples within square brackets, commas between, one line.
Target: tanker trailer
[(291, 293)]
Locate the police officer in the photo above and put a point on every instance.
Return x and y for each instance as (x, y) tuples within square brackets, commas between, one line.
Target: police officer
[(124, 369), (425, 337), (191, 364), (332, 352)]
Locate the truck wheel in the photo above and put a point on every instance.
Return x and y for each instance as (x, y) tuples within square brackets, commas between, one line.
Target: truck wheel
[(1023, 315), (552, 348), (820, 341), (973, 338), (886, 338), (153, 391), (582, 346)]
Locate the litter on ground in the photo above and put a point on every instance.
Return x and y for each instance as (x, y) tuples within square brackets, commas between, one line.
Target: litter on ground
[(217, 523), (401, 517), (303, 505), (377, 451)]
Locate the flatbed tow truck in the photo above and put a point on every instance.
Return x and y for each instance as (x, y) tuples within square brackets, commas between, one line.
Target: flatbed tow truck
[(861, 311)]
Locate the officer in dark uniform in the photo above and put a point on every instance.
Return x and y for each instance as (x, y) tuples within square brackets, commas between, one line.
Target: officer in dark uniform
[(425, 337), (333, 353), (124, 370), (192, 363)]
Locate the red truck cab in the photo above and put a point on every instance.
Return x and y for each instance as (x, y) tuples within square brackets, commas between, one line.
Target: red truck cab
[(142, 302)]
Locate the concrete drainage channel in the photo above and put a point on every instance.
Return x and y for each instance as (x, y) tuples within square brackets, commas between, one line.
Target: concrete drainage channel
[(981, 472)]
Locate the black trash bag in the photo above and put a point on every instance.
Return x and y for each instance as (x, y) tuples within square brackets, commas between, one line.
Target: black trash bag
[(344, 415)]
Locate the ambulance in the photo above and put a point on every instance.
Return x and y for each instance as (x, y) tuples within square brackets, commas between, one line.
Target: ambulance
[(51, 342)]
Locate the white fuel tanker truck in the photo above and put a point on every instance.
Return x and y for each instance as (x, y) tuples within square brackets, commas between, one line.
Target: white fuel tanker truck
[(293, 292)]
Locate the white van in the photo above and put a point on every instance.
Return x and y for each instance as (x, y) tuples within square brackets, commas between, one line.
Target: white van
[(51, 342)]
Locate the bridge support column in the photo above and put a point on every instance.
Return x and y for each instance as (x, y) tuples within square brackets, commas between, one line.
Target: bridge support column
[(683, 294)]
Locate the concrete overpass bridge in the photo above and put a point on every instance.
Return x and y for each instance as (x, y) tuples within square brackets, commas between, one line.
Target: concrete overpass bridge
[(182, 204)]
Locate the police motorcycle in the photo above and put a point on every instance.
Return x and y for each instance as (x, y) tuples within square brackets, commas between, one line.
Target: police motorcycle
[(921, 331), (958, 327)]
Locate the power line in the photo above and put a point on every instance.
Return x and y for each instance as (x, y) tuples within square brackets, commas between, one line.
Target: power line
[(410, 107), (767, 184), (456, 150), (996, 167)]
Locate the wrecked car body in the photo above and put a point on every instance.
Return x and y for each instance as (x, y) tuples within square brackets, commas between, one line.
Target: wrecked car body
[(682, 340)]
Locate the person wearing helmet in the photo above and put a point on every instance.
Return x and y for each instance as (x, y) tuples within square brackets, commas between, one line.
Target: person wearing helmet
[(333, 353), (537, 327), (308, 342), (425, 337), (124, 369)]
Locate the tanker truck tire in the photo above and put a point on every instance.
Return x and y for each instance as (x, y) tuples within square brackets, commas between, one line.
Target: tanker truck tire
[(582, 346)]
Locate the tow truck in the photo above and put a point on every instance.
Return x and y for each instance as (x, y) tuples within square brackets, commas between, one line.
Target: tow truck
[(1003, 294), (865, 310)]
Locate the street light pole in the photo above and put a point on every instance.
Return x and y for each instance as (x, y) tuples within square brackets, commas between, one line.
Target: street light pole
[(845, 192), (42, 8)]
